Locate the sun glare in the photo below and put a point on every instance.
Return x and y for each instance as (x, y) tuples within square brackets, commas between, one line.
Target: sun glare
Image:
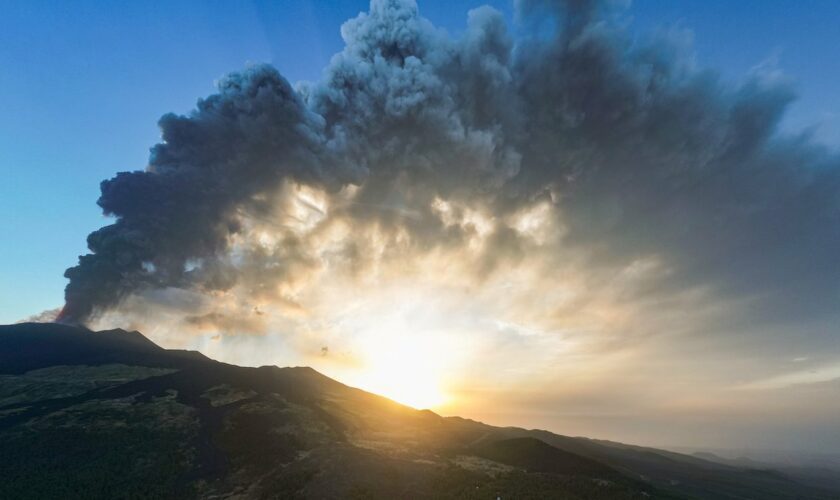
[(406, 369), (404, 354)]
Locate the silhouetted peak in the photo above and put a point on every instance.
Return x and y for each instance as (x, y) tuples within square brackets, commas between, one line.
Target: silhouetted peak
[(132, 336)]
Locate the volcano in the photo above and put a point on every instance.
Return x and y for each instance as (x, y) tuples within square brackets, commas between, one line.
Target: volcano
[(110, 414)]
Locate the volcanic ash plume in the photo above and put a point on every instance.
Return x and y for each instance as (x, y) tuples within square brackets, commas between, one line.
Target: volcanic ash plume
[(578, 149), (211, 166)]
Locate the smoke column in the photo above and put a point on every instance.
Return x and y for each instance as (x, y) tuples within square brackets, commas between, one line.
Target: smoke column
[(633, 148)]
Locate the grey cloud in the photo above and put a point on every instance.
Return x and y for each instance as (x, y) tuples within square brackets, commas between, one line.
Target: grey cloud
[(241, 142), (639, 153)]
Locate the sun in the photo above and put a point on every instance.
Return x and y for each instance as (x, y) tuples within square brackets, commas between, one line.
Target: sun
[(398, 340), (406, 368), (404, 353)]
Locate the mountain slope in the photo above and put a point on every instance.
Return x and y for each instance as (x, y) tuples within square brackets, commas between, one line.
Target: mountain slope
[(110, 414)]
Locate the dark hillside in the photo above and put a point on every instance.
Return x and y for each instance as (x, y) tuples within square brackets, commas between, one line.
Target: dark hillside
[(109, 414), (534, 455)]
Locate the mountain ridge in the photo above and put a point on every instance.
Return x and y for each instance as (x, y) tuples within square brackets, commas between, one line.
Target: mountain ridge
[(196, 427)]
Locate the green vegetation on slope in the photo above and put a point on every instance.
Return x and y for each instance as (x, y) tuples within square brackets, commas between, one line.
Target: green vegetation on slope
[(113, 448)]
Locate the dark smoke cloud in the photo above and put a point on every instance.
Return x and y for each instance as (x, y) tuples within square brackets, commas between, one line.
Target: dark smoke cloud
[(237, 144), (637, 151)]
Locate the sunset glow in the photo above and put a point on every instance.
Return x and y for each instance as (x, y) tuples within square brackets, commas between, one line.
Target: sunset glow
[(543, 213), (406, 369)]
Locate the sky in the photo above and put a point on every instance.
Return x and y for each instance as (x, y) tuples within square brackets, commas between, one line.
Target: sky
[(87, 82), (584, 317)]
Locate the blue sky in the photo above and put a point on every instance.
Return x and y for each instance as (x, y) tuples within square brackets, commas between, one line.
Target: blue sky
[(83, 84)]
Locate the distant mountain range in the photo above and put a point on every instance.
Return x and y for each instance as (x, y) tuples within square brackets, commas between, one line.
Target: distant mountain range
[(111, 415)]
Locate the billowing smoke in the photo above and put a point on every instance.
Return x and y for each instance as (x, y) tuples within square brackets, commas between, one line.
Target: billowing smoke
[(415, 143), (237, 146)]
